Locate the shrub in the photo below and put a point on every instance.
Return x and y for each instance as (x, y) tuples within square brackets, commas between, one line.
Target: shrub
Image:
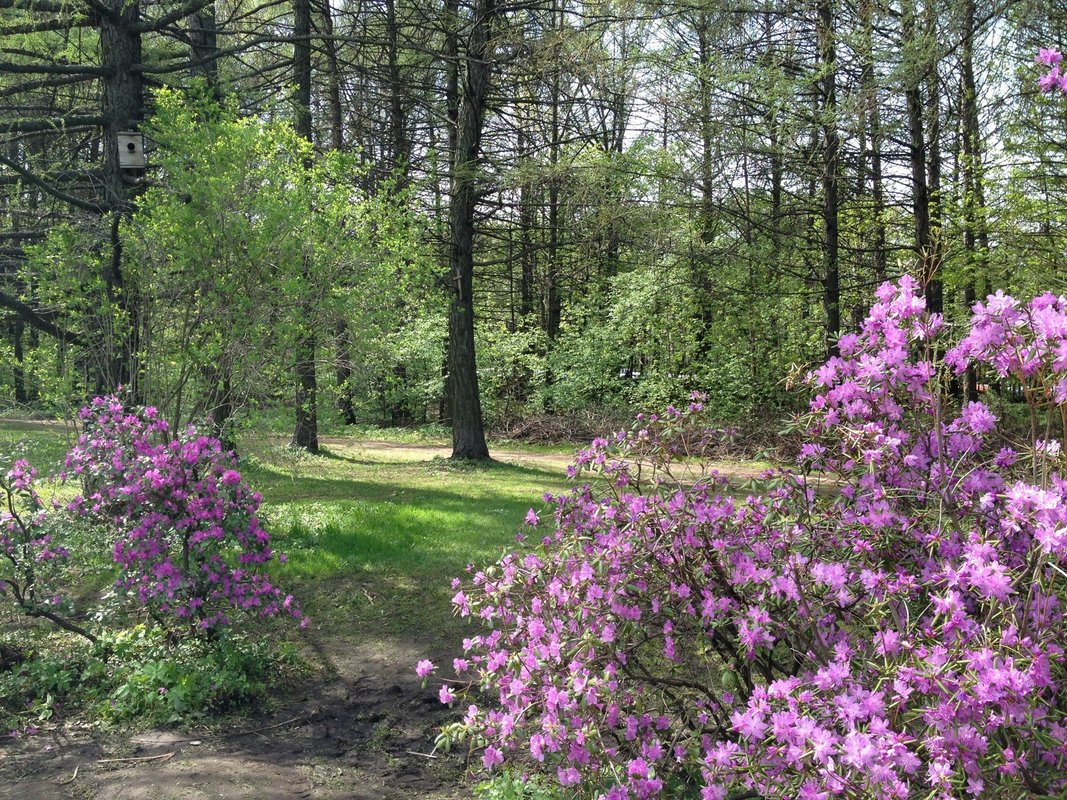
[(139, 673), (153, 680), (186, 531), (883, 621)]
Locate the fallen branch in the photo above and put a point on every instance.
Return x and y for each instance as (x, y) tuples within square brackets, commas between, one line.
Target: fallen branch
[(171, 741), (270, 727), (162, 757)]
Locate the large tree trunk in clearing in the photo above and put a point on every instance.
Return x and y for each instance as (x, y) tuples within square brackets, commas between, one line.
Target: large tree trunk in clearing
[(306, 430), (468, 431)]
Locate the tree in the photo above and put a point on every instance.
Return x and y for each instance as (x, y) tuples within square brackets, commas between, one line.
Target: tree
[(468, 433)]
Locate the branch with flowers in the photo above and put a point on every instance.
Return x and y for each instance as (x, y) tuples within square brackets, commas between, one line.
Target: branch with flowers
[(1052, 79), (185, 526)]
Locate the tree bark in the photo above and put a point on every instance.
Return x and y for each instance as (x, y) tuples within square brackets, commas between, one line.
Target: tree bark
[(334, 78), (18, 368), (920, 192), (975, 236), (399, 155), (468, 430), (116, 352), (830, 176), (306, 430), (699, 267), (874, 126), (935, 293)]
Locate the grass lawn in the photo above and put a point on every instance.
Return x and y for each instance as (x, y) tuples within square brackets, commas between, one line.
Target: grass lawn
[(374, 535)]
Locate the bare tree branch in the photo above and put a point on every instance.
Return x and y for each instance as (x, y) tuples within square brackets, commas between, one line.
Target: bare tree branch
[(183, 11), (77, 202), (57, 124), (53, 69), (34, 318)]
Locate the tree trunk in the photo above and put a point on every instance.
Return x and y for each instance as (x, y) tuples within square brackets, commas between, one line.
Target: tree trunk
[(874, 126), (975, 237), (920, 194), (553, 301), (935, 301), (333, 77), (221, 402), (699, 267), (830, 176), (116, 353), (306, 430), (399, 155), (18, 368), (468, 431), (203, 38), (527, 254)]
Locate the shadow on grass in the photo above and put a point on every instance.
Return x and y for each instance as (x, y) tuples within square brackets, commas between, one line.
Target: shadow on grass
[(447, 464), (330, 527), (388, 480)]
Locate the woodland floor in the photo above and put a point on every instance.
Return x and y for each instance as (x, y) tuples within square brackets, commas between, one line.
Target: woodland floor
[(359, 726)]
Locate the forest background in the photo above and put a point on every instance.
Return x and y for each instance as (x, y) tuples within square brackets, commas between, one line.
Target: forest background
[(411, 211)]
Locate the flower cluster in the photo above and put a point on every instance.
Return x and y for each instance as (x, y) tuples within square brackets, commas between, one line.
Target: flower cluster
[(1053, 79), (186, 531), (883, 621)]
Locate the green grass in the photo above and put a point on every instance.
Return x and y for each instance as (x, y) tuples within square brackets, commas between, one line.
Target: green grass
[(374, 538), (44, 444)]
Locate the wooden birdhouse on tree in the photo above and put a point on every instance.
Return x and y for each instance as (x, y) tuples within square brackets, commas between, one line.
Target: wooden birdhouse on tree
[(131, 150)]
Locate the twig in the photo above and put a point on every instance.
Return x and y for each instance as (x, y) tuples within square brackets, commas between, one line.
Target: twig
[(71, 779), (171, 742), (423, 755), (161, 757), (270, 727)]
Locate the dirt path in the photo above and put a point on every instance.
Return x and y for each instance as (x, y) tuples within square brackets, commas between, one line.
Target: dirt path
[(360, 729)]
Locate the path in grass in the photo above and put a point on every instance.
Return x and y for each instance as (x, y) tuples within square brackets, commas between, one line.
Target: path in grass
[(374, 531)]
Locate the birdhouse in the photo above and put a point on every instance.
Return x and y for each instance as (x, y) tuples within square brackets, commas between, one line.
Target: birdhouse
[(131, 150)]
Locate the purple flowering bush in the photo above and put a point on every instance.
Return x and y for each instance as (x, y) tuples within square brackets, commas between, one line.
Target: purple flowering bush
[(183, 531), (883, 621), (185, 528)]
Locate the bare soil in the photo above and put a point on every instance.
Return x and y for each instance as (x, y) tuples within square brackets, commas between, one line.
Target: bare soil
[(361, 728)]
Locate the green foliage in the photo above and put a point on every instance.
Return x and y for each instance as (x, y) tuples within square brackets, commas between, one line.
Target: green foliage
[(139, 675), (513, 786), (34, 690), (244, 241), (511, 368), (159, 681)]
